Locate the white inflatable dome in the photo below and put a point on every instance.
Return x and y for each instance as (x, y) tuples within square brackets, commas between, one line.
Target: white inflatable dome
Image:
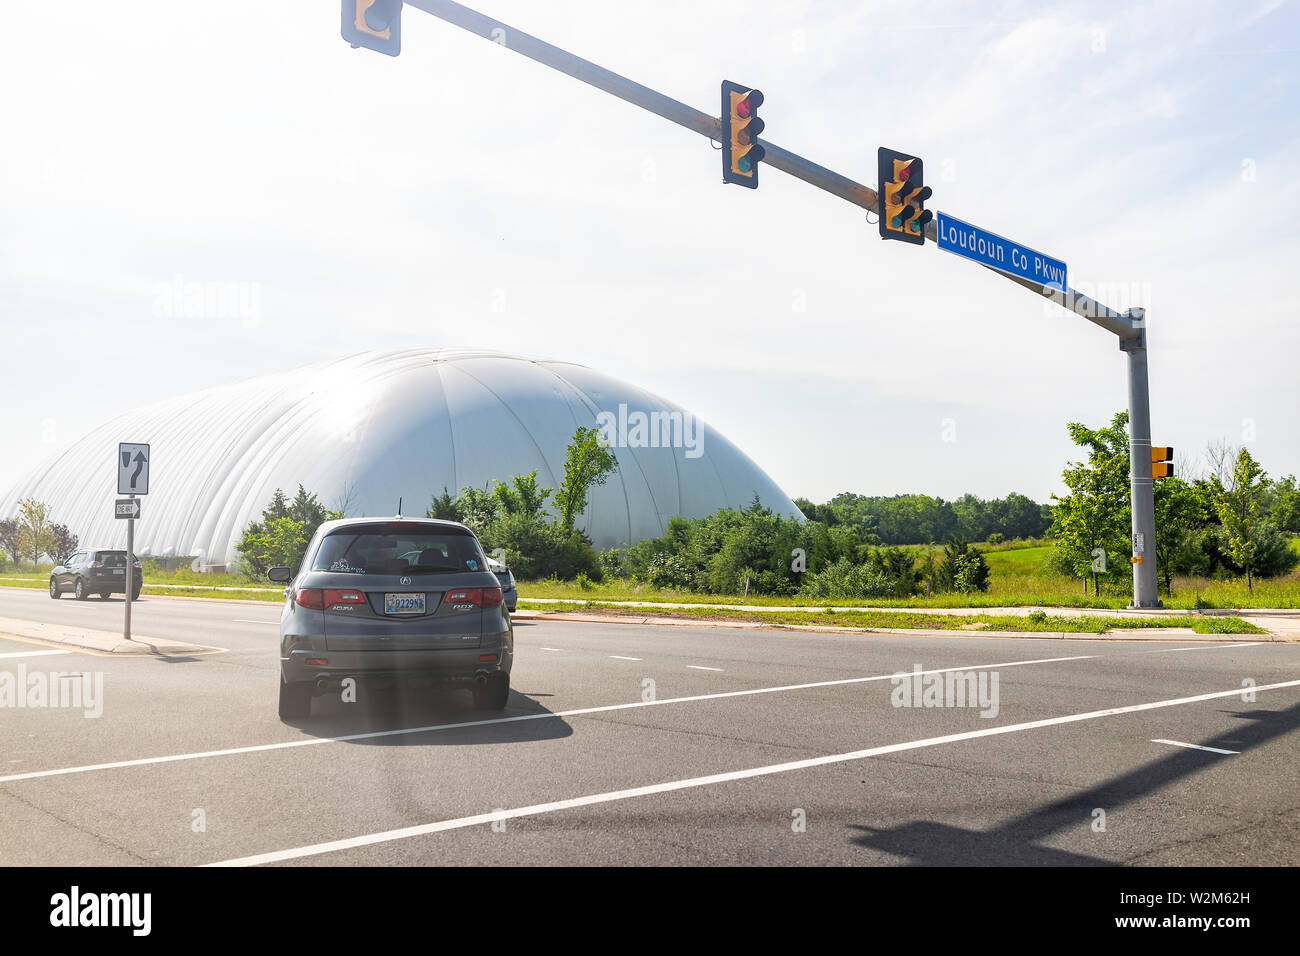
[(373, 427)]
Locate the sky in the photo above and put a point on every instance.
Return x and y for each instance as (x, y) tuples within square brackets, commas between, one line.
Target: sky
[(326, 201)]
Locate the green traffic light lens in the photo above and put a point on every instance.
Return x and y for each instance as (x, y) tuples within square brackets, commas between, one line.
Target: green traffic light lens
[(914, 226), (896, 222), (744, 165)]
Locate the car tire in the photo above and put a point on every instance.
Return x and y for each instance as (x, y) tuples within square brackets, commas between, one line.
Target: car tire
[(135, 594), (54, 589), (494, 694), (295, 699), (79, 591)]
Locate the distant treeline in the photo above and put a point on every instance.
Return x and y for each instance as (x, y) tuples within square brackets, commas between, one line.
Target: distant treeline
[(920, 519)]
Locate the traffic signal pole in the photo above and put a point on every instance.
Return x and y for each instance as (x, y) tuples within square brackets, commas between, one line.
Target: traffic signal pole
[(1146, 584), (1128, 326)]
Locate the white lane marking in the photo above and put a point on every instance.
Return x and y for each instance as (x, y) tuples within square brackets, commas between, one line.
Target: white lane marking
[(1199, 647), (460, 823), (1179, 743), (698, 667), (549, 648), (241, 620), (34, 653), (371, 735), (619, 657)]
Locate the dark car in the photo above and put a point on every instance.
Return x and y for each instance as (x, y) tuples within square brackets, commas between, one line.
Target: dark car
[(96, 572), (508, 586), (393, 600)]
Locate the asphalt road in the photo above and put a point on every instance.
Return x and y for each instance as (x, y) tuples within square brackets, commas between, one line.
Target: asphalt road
[(637, 744)]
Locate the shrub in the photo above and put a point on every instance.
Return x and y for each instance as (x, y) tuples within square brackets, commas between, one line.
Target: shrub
[(963, 569)]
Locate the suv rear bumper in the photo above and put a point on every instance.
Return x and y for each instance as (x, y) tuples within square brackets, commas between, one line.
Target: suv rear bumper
[(113, 583), (453, 666)]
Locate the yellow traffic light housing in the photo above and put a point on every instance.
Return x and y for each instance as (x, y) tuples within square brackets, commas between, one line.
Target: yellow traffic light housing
[(1162, 461), (902, 194), (374, 24), (741, 153)]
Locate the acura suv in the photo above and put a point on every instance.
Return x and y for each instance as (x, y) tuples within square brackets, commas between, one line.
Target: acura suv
[(95, 572), (386, 600)]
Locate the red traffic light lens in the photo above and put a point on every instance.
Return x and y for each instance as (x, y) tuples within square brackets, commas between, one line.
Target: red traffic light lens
[(745, 108)]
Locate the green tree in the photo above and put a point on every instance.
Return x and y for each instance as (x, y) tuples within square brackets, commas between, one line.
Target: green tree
[(478, 508), (521, 496), (1284, 504), (587, 462), (963, 569), (1094, 516), (1238, 508), (307, 510), (445, 507), (61, 543), (1180, 515), (11, 538), (34, 527), (282, 534)]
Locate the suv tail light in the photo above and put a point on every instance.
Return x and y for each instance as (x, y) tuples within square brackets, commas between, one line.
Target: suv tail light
[(343, 596), (319, 599), (479, 597)]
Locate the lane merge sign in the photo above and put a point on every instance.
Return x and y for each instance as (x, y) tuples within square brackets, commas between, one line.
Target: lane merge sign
[(132, 469), (126, 508), (989, 249)]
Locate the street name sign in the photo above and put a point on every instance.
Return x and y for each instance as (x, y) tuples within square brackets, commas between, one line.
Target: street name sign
[(126, 508), (989, 249), (132, 469)]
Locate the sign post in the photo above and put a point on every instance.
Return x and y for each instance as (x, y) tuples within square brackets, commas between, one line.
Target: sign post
[(132, 479)]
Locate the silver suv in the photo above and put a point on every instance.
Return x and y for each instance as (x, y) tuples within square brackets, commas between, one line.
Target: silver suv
[(393, 599)]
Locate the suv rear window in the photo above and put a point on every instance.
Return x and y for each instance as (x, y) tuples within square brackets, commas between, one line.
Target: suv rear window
[(111, 559), (387, 549)]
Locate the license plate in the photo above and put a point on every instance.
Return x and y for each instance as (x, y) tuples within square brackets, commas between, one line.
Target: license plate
[(403, 603), (119, 570)]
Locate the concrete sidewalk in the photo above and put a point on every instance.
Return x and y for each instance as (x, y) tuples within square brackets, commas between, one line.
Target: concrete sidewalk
[(102, 642)]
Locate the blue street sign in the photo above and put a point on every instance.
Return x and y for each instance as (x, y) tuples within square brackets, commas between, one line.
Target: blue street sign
[(990, 249)]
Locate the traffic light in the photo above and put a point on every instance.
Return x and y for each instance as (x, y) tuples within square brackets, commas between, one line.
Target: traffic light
[(1162, 462), (741, 153), (374, 24), (902, 194)]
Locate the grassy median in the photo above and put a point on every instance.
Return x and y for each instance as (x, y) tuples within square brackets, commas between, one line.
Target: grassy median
[(1044, 623)]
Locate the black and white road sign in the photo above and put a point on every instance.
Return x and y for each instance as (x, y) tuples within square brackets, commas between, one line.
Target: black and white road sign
[(126, 508), (132, 469)]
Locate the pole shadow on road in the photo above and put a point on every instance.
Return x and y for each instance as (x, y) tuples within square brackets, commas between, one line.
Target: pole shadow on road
[(1017, 842), (413, 705)]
